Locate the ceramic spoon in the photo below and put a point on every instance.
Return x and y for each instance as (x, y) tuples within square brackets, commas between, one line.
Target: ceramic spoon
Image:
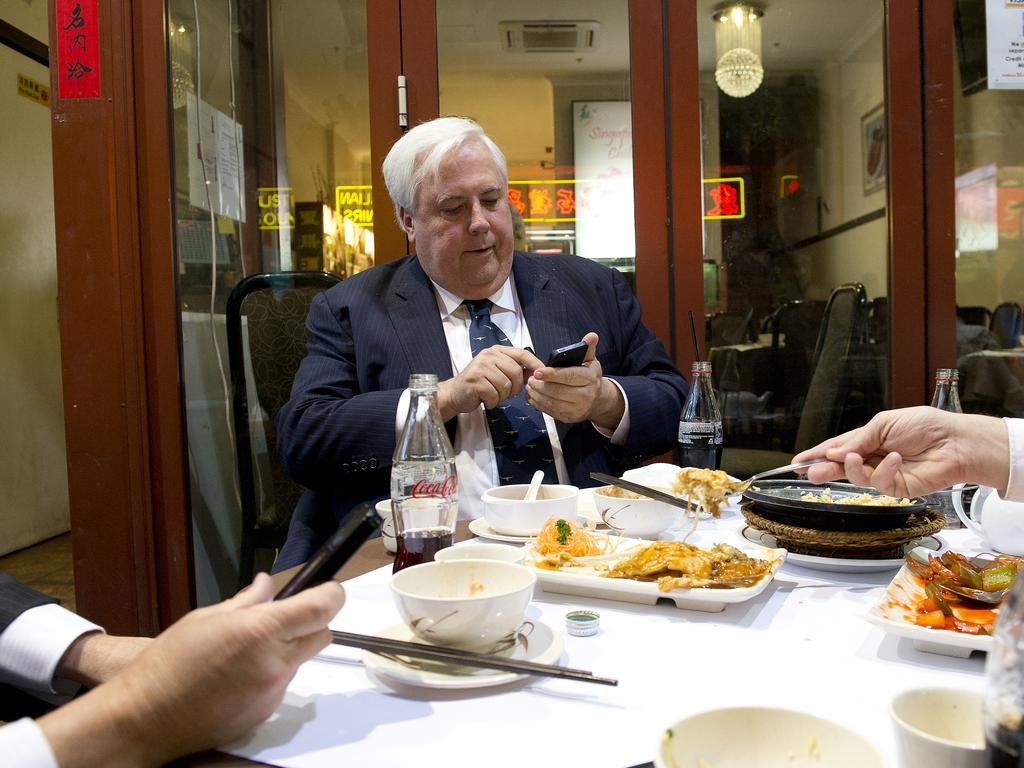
[(534, 489)]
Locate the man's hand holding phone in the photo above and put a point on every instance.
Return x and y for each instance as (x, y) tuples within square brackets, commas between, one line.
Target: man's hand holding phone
[(577, 392)]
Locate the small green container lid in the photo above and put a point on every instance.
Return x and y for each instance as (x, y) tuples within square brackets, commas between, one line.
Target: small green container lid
[(582, 623)]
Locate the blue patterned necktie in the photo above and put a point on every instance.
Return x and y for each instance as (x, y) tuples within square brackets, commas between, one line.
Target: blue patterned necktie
[(518, 432)]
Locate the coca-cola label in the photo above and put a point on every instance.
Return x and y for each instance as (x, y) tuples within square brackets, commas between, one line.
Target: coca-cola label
[(423, 489), (700, 432)]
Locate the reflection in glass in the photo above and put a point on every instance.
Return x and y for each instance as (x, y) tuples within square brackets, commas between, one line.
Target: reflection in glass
[(988, 108), (272, 173), (796, 250), (553, 92)]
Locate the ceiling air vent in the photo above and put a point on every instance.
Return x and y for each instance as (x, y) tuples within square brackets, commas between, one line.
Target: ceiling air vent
[(548, 36)]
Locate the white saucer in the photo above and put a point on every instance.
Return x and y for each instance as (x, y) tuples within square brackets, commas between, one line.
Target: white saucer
[(481, 528), (543, 645), (840, 564)]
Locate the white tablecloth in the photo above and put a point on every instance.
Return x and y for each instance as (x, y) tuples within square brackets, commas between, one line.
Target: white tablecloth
[(802, 644)]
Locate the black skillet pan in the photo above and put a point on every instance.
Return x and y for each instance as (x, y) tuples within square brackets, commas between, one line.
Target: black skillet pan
[(780, 500)]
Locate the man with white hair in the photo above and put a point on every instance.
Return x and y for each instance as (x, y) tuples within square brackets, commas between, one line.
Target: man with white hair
[(470, 309)]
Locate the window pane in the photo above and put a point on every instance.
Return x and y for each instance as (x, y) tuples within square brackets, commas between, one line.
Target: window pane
[(796, 250), (989, 165), (562, 118)]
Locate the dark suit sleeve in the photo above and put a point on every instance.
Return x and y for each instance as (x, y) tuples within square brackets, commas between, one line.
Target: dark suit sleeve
[(655, 388), (334, 424), (16, 598)]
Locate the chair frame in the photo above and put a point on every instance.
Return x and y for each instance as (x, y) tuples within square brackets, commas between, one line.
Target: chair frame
[(252, 536)]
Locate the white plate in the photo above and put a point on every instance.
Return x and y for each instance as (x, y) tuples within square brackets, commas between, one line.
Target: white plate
[(544, 646), (840, 564), (480, 527), (894, 613), (586, 582)]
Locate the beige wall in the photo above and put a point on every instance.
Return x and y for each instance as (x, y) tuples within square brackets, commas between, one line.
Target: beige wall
[(33, 465)]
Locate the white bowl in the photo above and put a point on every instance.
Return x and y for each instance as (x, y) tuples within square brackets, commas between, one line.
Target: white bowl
[(387, 525), (635, 517), (770, 737), (480, 551), (507, 512), (463, 603), (940, 726)]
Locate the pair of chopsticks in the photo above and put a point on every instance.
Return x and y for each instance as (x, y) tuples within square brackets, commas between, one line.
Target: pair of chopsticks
[(384, 645), (643, 490)]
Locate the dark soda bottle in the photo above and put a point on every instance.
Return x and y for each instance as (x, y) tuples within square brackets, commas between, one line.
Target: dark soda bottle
[(700, 423), (1004, 684)]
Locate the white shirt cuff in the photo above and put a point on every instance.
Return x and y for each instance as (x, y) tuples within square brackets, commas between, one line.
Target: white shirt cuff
[(34, 643), (621, 432), (23, 745), (1015, 485)]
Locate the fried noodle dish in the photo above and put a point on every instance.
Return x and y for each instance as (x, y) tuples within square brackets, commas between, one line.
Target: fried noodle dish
[(707, 488), (675, 564)]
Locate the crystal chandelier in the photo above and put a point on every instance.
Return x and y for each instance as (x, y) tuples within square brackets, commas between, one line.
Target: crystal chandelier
[(738, 49)]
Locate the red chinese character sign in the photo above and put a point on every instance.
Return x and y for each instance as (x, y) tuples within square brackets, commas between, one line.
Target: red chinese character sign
[(77, 49), (543, 200), (724, 199)]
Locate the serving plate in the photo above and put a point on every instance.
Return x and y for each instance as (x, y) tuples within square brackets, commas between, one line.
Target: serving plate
[(543, 645), (480, 527), (585, 581), (841, 564), (781, 500), (895, 614)]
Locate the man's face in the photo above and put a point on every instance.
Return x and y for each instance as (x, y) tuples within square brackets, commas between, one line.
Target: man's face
[(462, 227)]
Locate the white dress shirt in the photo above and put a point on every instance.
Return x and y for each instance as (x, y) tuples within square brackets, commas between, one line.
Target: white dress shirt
[(1015, 485), (31, 647), (474, 452)]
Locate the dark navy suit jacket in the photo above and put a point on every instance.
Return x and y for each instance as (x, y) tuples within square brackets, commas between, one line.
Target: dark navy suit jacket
[(336, 434)]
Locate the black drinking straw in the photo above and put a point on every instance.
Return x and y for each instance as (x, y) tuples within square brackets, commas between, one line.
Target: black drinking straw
[(696, 344)]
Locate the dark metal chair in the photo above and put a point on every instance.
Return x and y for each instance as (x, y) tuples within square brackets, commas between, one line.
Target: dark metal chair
[(1007, 323), (974, 316), (274, 306), (727, 328)]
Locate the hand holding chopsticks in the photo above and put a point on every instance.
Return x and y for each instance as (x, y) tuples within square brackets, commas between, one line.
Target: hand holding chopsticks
[(464, 658)]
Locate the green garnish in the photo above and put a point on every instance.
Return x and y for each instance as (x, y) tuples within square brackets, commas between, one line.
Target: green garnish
[(563, 531)]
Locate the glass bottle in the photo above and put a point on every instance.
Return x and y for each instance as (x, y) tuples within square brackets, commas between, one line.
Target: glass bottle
[(700, 423), (1004, 684), (424, 484), (945, 397)]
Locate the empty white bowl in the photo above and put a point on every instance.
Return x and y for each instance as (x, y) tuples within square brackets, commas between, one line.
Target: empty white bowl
[(463, 603), (940, 726), (481, 551), (507, 512), (770, 737), (635, 517)]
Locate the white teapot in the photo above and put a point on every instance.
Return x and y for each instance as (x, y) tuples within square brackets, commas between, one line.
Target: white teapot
[(999, 522)]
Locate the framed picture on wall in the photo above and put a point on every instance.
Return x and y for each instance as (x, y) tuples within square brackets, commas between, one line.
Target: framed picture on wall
[(873, 149)]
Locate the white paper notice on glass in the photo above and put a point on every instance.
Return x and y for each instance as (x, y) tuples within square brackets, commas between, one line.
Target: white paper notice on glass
[(216, 179), (1004, 24), (603, 156)]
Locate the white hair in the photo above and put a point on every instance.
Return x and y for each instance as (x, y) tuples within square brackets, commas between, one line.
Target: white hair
[(419, 153)]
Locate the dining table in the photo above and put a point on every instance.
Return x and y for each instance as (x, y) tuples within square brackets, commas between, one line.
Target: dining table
[(803, 643)]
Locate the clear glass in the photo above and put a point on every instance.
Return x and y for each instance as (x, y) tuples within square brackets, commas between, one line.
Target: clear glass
[(988, 115), (795, 207), (424, 482), (562, 119), (1004, 684), (277, 100), (700, 423), (946, 395)]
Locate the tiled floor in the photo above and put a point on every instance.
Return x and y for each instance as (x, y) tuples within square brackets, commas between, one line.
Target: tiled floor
[(46, 567)]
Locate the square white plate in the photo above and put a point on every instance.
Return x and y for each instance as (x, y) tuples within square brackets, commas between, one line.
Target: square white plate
[(895, 614), (586, 582)]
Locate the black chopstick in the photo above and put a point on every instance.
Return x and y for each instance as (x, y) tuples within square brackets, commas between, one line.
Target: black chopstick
[(643, 490), (465, 658)]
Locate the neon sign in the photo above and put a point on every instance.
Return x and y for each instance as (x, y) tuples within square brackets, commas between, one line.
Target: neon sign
[(355, 203), (544, 200), (724, 198)]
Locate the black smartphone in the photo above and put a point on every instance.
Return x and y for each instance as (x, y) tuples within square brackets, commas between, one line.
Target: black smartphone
[(335, 552), (568, 356)]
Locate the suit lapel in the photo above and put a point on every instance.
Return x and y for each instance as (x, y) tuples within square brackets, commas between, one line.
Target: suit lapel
[(543, 305), (414, 314)]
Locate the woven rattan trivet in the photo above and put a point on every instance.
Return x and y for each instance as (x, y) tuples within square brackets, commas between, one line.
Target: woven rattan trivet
[(855, 545)]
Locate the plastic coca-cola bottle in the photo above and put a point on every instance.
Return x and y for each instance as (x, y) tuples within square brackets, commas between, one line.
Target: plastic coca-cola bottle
[(424, 486)]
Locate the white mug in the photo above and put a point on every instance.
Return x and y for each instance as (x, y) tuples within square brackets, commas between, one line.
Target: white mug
[(939, 727), (999, 522), (387, 525)]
